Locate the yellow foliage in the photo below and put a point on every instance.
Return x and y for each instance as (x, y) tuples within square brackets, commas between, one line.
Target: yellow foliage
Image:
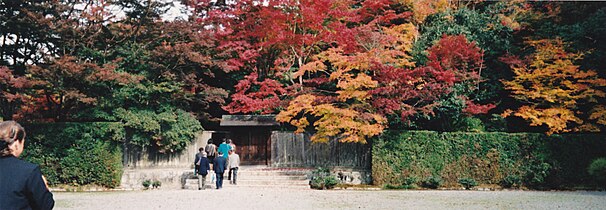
[(299, 105), (356, 88), (311, 67), (423, 8), (550, 80), (397, 50), (556, 119), (599, 114), (344, 124)]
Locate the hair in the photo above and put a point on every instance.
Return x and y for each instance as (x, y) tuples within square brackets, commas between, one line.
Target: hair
[(228, 141), (223, 140), (10, 131), (201, 149), (210, 141)]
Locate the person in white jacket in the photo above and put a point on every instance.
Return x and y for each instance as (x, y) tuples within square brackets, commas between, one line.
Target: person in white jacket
[(233, 163)]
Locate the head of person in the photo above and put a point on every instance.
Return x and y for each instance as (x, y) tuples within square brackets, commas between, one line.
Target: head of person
[(12, 139), (223, 140), (201, 149), (228, 141), (210, 141)]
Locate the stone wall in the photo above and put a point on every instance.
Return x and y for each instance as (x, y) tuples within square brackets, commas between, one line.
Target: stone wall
[(135, 157), (171, 169)]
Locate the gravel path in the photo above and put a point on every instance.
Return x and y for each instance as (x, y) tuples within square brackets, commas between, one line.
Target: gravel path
[(236, 197)]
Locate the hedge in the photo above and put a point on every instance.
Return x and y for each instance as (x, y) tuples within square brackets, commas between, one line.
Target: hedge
[(531, 160), (77, 153)]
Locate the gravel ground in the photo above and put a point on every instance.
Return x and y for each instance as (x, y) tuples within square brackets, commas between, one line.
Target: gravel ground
[(237, 197)]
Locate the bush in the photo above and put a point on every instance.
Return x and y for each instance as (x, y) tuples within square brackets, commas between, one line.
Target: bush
[(468, 183), (168, 130), (432, 182), (92, 162), (407, 183), (597, 169), (156, 184), (529, 160), (321, 178), (146, 184), (77, 153), (511, 181)]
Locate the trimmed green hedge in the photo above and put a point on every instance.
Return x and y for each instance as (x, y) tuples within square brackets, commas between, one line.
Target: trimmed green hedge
[(77, 153), (532, 160)]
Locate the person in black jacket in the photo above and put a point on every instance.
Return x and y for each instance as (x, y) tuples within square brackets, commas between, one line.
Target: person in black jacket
[(22, 185), (219, 165), (202, 168)]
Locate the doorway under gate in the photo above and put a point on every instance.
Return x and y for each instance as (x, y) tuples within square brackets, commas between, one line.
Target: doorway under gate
[(252, 145)]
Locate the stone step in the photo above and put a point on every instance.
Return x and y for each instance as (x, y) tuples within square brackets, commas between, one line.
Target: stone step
[(277, 173), (283, 181), (194, 185), (194, 182), (242, 176), (243, 173)]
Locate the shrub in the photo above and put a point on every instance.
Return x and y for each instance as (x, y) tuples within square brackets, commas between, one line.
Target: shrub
[(92, 162), (468, 183), (146, 184), (597, 169), (396, 187), (77, 153), (407, 183), (169, 130), (511, 181), (432, 182), (537, 160), (321, 178), (156, 184)]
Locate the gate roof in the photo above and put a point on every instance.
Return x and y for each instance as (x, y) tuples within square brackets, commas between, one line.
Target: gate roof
[(249, 120)]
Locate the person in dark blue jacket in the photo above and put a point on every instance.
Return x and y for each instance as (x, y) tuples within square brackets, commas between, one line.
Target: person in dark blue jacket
[(202, 168), (22, 185), (219, 166)]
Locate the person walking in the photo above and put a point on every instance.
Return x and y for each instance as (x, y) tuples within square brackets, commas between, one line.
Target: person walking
[(233, 165), (197, 160), (22, 185), (203, 167), (232, 144), (211, 150), (224, 148), (219, 165)]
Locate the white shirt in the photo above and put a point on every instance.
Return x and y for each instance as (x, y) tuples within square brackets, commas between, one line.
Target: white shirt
[(234, 161)]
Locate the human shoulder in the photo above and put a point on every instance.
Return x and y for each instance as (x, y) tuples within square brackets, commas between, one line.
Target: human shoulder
[(16, 162)]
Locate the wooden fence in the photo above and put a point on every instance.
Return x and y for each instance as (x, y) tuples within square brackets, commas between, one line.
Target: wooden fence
[(296, 150)]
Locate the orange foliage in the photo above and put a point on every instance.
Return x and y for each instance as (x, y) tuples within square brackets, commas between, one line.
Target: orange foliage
[(552, 87), (344, 124), (423, 8)]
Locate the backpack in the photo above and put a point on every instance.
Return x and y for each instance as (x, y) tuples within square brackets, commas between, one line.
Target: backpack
[(210, 149)]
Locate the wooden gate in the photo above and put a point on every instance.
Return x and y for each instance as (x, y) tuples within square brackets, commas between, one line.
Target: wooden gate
[(252, 145)]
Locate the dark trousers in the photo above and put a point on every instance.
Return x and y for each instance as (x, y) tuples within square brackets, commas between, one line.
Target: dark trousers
[(234, 177), (219, 182)]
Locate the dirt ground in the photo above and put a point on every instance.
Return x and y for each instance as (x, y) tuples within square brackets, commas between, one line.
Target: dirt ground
[(237, 197)]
